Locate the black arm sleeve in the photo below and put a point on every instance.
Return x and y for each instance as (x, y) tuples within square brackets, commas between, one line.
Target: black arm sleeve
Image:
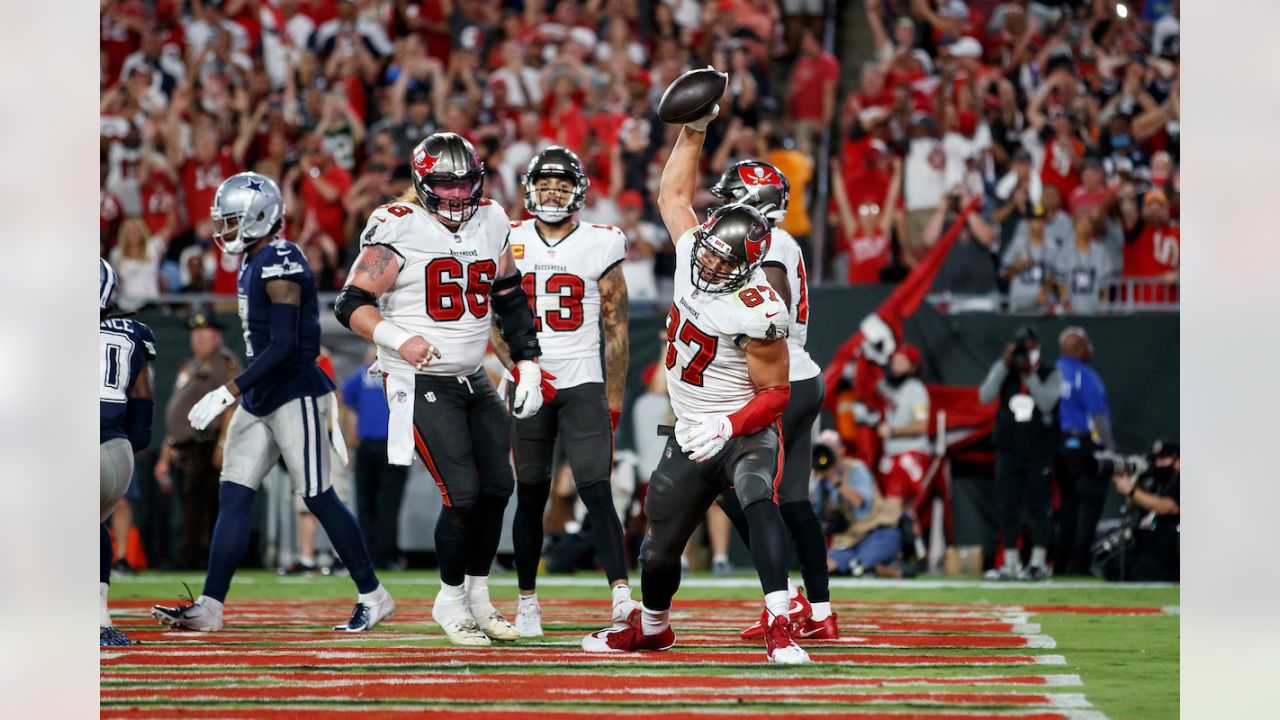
[(284, 340), (349, 300), (137, 420), (515, 318)]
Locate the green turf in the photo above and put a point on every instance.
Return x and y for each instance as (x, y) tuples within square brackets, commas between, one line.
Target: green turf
[(1129, 663)]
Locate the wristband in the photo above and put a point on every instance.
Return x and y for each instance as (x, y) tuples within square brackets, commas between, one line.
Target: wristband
[(391, 336)]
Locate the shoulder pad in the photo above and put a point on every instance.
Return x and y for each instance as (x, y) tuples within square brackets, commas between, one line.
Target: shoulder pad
[(283, 260), (759, 312)]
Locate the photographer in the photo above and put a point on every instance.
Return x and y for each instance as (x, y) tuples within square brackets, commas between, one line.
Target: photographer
[(1155, 494), (1025, 436), (862, 523)]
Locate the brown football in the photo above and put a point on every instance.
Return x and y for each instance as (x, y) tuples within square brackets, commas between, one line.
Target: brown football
[(692, 95)]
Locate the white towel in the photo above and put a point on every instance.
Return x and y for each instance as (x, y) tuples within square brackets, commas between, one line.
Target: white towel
[(335, 431), (400, 397)]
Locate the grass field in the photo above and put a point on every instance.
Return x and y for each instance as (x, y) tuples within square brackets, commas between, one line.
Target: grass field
[(1070, 648)]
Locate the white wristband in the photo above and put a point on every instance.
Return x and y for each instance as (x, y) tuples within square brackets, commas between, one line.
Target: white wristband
[(391, 336)]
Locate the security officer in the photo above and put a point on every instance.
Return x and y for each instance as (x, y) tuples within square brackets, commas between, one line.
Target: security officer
[(1086, 427), (1026, 435), (192, 457)]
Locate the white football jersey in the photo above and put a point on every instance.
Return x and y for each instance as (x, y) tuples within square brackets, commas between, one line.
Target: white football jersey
[(442, 290), (784, 252), (707, 334), (562, 282)]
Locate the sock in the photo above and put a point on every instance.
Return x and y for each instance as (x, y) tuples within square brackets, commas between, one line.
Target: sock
[(811, 547), (451, 593), (344, 532), (230, 538), (104, 555), (719, 558), (104, 616), (769, 552), (1011, 559), (821, 611), (369, 597), (792, 589), (606, 529), (777, 603), (484, 533), (653, 622), (307, 560), (1037, 556), (526, 531), (621, 593), (531, 599), (450, 527), (477, 589)]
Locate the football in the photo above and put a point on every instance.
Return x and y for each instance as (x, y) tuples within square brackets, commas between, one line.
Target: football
[(691, 95)]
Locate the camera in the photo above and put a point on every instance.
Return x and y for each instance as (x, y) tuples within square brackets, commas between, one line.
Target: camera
[(1024, 341)]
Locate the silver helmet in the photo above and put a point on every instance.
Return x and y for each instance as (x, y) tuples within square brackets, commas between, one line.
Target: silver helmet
[(448, 176), (247, 208), (107, 284), (555, 162)]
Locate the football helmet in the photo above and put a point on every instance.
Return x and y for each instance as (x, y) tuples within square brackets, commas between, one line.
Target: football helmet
[(247, 208), (758, 184), (557, 162), (448, 176), (728, 247), (108, 282)]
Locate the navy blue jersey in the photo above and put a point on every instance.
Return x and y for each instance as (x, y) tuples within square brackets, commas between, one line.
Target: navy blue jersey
[(298, 375), (125, 346)]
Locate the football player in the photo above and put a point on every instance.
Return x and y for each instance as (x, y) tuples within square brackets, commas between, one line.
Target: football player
[(285, 411), (435, 269), (125, 407), (727, 369), (573, 276), (765, 188)]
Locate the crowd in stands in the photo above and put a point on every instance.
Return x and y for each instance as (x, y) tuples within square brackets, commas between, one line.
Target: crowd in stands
[(1062, 117)]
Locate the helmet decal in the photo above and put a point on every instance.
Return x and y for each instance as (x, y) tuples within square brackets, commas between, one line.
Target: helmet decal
[(756, 249), (758, 175), (424, 161)]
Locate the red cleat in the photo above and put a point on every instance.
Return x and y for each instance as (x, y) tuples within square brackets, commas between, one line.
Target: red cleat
[(628, 638), (799, 612), (781, 645), (812, 629)]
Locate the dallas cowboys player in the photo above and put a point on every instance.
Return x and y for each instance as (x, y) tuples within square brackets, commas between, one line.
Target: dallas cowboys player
[(284, 410), (125, 406), (435, 270)]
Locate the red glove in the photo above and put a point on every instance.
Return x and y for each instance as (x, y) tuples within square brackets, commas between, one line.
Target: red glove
[(615, 417), (548, 390)]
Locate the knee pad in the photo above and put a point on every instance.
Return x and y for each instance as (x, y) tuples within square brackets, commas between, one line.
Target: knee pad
[(752, 488)]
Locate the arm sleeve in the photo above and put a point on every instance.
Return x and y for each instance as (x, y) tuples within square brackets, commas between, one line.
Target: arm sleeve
[(990, 388), (138, 415), (1045, 392), (284, 341)]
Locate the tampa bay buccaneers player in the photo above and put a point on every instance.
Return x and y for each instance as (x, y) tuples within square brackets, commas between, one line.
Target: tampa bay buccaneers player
[(727, 369), (573, 276), (762, 186), (435, 269)]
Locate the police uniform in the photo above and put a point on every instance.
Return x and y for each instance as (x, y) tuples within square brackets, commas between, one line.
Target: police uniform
[(448, 412), (706, 366), (125, 347), (192, 450), (286, 414)]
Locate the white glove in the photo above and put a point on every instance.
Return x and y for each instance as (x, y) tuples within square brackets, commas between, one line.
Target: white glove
[(709, 437), (528, 398), (210, 407), (701, 123)]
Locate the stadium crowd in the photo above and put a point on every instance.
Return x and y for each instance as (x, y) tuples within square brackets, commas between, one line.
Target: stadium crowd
[(1062, 116)]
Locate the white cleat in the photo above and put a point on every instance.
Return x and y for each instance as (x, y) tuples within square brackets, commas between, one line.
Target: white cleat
[(370, 612), (454, 617), (529, 620), (204, 615), (495, 625), (782, 648)]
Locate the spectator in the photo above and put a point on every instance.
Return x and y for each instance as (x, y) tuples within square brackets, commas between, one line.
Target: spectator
[(862, 523), (865, 232), (923, 174), (811, 104), (1092, 195), (191, 460), (1152, 243), (136, 259), (1081, 268), (797, 168), (1026, 266), (905, 427), (970, 267), (379, 485), (320, 184), (643, 240), (1156, 495), (1085, 421), (1025, 437), (1021, 177)]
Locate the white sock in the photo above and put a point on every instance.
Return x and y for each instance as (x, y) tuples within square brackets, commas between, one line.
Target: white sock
[(104, 615), (621, 593), (530, 599), (792, 589), (307, 560), (719, 558), (821, 611), (653, 622), (368, 598), (1011, 559), (1037, 556), (477, 589), (777, 603), (451, 593)]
